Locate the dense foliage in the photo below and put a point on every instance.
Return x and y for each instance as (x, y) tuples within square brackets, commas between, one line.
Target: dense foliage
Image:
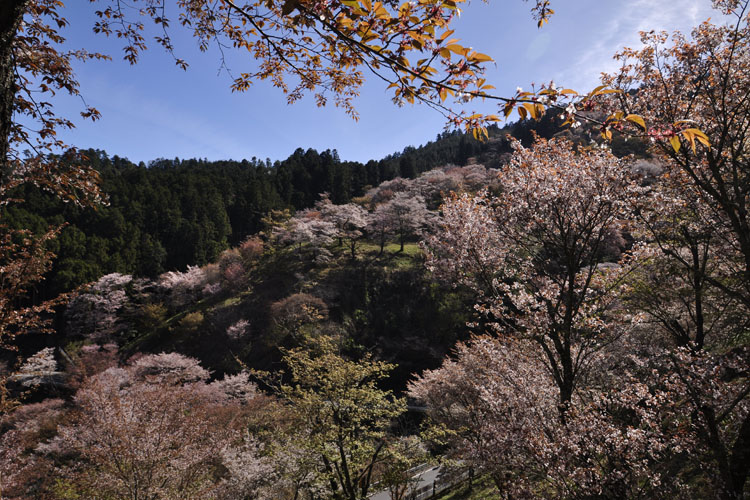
[(173, 213), (608, 299)]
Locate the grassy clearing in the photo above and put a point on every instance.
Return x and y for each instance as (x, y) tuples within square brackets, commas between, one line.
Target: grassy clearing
[(392, 255), (483, 489)]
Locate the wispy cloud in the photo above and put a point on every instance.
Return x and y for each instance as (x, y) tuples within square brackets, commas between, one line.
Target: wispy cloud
[(147, 121), (625, 21)]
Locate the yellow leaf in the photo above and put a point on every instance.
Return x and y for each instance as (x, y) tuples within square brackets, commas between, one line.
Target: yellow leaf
[(480, 57), (366, 4), (690, 136), (540, 110), (600, 90), (533, 109), (675, 142), (381, 13), (595, 91), (697, 134), (456, 48), (484, 135), (445, 35), (637, 119)]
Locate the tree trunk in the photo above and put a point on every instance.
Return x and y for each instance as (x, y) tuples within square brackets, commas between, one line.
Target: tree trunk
[(11, 14), (740, 459)]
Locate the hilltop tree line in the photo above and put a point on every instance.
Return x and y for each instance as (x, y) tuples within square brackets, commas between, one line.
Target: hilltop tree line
[(170, 214)]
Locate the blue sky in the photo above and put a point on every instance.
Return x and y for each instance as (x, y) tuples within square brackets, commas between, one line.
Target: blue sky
[(154, 109)]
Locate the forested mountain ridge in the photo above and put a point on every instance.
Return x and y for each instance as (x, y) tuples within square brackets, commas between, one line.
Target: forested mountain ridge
[(175, 213), (170, 214)]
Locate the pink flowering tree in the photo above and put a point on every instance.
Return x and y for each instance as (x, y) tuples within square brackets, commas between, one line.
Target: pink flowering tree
[(310, 230), (685, 246), (182, 288), (298, 313), (407, 215), (350, 221), (533, 254), (380, 225), (141, 432), (95, 312), (388, 189), (685, 286), (497, 407), (433, 185), (24, 471)]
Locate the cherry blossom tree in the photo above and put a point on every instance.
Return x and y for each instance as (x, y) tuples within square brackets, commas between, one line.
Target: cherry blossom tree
[(387, 189), (232, 268), (185, 287), (533, 253), (24, 259), (698, 326), (24, 471), (493, 432), (29, 41), (140, 432), (472, 178), (94, 313), (309, 227), (293, 313), (689, 250), (408, 215), (380, 225), (433, 185), (239, 330), (695, 88), (43, 361), (497, 408), (250, 471), (350, 221)]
